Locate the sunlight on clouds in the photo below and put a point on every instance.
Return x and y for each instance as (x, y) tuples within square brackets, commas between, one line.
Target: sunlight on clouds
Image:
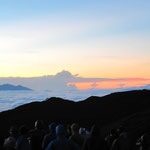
[(110, 84)]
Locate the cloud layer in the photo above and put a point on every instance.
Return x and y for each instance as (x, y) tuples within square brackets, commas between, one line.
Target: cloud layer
[(64, 80), (67, 86)]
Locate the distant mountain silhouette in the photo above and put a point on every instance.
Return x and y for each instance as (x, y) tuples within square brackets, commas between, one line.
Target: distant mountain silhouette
[(8, 87), (124, 107)]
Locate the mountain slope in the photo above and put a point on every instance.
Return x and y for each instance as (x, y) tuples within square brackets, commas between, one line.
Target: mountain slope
[(101, 110)]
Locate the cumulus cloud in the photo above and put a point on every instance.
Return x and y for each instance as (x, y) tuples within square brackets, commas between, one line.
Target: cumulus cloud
[(64, 80), (51, 82)]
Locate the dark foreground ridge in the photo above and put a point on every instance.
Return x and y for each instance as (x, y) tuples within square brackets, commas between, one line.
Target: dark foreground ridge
[(94, 110)]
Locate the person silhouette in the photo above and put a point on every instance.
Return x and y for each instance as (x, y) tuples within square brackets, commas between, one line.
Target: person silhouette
[(76, 137), (10, 142), (22, 142), (50, 136), (37, 135), (61, 142), (94, 141)]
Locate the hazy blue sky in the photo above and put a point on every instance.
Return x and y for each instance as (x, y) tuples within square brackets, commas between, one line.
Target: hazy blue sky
[(108, 39)]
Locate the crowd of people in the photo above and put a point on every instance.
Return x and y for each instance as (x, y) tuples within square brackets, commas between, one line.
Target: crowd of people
[(70, 137)]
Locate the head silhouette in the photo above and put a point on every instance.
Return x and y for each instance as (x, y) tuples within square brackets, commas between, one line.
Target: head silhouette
[(23, 130), (13, 131), (39, 124), (60, 130), (74, 128), (95, 131), (52, 126)]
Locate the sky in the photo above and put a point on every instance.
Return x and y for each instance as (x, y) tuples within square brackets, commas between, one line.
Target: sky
[(91, 39)]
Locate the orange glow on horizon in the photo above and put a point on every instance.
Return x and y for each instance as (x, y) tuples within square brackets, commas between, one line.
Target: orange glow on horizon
[(111, 84)]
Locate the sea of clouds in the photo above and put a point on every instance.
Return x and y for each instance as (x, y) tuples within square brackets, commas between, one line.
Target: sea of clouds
[(12, 99), (53, 86)]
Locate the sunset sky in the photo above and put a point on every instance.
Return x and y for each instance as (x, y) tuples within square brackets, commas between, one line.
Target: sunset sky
[(91, 38)]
